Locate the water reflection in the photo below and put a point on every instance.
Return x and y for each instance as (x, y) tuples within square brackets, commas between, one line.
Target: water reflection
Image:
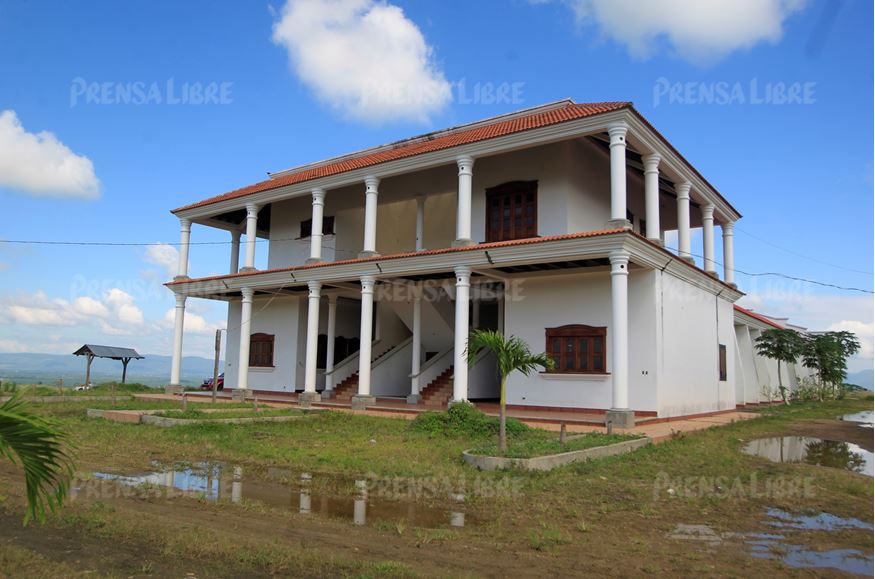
[(789, 449), (217, 481), (801, 557), (864, 419)]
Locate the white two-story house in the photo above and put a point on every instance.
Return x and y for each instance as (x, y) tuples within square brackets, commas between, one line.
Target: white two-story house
[(547, 224)]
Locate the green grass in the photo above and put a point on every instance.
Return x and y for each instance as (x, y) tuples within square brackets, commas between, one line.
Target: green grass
[(104, 389), (542, 443), (614, 508)]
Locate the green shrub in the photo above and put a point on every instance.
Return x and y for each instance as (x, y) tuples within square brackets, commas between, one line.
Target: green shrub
[(463, 419)]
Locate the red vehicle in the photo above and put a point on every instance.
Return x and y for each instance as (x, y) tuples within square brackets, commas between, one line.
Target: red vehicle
[(208, 383)]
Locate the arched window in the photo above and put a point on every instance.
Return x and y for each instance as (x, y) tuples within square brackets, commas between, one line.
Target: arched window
[(578, 349), (261, 351)]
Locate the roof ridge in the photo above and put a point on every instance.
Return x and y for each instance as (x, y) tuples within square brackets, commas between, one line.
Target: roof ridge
[(563, 103), (536, 117)]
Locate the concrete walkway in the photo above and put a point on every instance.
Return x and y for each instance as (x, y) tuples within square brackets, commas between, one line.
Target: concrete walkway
[(657, 430)]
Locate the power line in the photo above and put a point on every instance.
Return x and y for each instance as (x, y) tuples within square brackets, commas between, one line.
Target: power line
[(304, 240), (782, 275), (802, 255)]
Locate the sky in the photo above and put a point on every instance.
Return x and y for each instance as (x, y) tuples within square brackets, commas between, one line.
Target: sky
[(113, 113)]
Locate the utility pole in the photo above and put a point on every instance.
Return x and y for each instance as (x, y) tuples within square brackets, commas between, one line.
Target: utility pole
[(216, 363)]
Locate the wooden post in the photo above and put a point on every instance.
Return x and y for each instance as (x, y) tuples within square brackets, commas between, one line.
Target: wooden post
[(125, 368), (216, 364), (60, 386), (88, 359), (563, 434)]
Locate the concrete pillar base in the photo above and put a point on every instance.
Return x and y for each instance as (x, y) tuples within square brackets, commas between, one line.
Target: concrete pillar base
[(620, 418), (327, 394), (413, 398), (360, 402), (245, 269), (732, 284), (312, 260), (240, 395), (464, 243), (180, 277), (173, 389), (452, 402), (308, 398), (619, 224), (713, 274), (657, 241), (368, 254)]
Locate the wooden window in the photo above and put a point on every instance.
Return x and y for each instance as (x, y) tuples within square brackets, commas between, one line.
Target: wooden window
[(327, 227), (578, 349), (261, 351), (723, 363), (512, 211)]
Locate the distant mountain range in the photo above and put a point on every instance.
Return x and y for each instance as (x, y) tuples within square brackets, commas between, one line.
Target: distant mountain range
[(49, 368), (863, 378)]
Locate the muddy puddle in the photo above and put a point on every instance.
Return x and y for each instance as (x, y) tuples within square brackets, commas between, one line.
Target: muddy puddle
[(361, 501), (816, 451), (785, 544), (863, 419)]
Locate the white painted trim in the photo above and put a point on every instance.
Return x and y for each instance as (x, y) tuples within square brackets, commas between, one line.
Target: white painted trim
[(563, 376)]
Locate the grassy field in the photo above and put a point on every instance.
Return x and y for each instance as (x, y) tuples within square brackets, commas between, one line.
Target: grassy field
[(613, 516)]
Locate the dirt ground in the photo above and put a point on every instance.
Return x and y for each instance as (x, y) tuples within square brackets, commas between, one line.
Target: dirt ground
[(140, 535)]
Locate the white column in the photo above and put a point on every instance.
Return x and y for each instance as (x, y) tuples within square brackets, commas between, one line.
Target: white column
[(365, 334), (651, 197), (313, 298), (617, 132), (251, 235), (620, 330), (245, 331), (184, 241), (420, 222), (463, 202), (369, 247), (708, 238), (235, 252), (728, 252), (316, 229), (683, 191), (460, 372), (179, 324), (416, 345), (329, 347)]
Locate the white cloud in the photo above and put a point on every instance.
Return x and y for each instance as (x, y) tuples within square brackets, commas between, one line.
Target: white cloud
[(40, 164), (194, 323), (364, 58), (165, 256), (90, 307), (697, 31)]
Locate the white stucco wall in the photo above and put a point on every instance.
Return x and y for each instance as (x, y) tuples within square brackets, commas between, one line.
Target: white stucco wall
[(556, 300), (747, 359), (280, 317), (694, 324)]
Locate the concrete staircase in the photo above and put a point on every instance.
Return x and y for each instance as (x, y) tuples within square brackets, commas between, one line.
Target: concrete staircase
[(439, 392), (347, 389), (350, 386)]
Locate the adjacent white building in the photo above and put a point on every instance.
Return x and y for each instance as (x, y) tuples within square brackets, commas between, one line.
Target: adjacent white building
[(548, 224)]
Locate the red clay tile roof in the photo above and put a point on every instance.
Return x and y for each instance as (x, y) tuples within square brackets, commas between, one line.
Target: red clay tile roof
[(757, 316), (499, 128), (478, 247)]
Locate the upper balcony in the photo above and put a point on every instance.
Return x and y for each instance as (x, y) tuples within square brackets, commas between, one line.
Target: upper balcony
[(558, 169)]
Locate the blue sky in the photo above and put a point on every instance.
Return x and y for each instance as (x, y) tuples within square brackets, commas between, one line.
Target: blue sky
[(799, 171)]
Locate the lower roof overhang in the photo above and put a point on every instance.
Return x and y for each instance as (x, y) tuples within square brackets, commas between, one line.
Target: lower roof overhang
[(497, 260)]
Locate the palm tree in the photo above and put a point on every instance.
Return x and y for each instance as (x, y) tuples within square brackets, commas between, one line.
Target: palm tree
[(782, 345), (42, 451), (511, 354)]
